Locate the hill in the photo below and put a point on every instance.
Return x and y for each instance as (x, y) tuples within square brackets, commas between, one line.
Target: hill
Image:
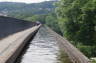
[(14, 8)]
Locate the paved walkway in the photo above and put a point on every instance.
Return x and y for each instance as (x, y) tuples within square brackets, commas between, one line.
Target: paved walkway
[(10, 44)]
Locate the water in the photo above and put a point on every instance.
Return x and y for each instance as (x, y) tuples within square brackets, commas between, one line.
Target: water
[(43, 49)]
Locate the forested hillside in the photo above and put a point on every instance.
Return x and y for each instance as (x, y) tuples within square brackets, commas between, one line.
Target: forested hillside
[(73, 19), (16, 9)]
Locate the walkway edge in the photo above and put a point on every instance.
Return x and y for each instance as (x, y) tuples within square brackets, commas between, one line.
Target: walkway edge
[(11, 53), (74, 54)]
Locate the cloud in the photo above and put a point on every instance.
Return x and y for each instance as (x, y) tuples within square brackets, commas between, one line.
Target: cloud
[(26, 1)]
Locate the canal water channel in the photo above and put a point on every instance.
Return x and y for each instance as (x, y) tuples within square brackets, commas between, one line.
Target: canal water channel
[(43, 49)]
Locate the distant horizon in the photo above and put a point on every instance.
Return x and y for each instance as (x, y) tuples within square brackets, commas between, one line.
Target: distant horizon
[(24, 1), (21, 2)]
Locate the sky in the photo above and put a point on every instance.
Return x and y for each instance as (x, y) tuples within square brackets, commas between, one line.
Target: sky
[(25, 1)]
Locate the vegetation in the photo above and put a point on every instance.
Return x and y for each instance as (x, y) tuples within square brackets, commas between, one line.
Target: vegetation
[(14, 9), (62, 57), (74, 19), (42, 12), (77, 23), (48, 19), (93, 61)]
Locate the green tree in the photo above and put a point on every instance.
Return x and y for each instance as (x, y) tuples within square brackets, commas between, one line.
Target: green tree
[(34, 18), (52, 21), (77, 21)]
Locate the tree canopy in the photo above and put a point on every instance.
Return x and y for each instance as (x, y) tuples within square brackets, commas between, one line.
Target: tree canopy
[(77, 21)]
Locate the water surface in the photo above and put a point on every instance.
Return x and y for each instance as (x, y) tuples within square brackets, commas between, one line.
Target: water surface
[(43, 49)]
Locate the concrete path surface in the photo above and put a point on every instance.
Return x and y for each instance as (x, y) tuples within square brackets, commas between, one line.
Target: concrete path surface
[(10, 44)]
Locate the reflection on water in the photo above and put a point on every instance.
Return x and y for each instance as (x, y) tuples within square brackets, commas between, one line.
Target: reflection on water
[(43, 49), (63, 58)]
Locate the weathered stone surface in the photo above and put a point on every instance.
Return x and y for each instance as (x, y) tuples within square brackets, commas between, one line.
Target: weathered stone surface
[(11, 46), (9, 26)]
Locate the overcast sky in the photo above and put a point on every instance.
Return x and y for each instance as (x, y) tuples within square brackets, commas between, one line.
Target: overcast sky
[(26, 1)]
